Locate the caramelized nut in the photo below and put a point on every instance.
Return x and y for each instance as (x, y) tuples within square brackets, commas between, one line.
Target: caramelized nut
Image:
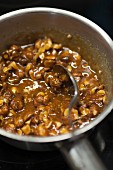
[(53, 132), (50, 57), (95, 112), (44, 45), (35, 119), (74, 114), (11, 113), (84, 111), (42, 56), (28, 67), (58, 124), (14, 90), (57, 46), (5, 69), (93, 90), (69, 68), (43, 115), (18, 121), (76, 56), (19, 131), (32, 76), (49, 63), (40, 93), (1, 120), (26, 129), (66, 112), (54, 52), (82, 87), (42, 131), (10, 127), (13, 65), (15, 47), (48, 124), (38, 43), (17, 103), (101, 92), (28, 122), (86, 82), (1, 101), (5, 56), (4, 109), (63, 130), (104, 99)]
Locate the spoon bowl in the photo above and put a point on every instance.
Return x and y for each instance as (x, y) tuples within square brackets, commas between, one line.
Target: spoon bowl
[(73, 87)]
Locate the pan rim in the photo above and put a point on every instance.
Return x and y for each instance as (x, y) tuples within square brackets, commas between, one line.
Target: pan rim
[(94, 122)]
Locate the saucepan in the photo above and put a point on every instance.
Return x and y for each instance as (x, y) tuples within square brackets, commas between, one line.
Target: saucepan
[(25, 26)]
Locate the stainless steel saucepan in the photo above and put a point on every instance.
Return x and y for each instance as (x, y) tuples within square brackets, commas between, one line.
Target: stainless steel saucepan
[(25, 26)]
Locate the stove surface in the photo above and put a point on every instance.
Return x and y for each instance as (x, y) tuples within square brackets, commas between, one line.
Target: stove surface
[(11, 158)]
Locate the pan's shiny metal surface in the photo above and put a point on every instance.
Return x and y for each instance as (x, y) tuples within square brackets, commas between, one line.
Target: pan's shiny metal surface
[(27, 21), (25, 26)]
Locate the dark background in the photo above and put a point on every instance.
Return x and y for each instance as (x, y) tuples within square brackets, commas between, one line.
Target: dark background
[(101, 12)]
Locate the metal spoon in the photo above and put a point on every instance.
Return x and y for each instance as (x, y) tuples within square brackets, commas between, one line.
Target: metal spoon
[(74, 87)]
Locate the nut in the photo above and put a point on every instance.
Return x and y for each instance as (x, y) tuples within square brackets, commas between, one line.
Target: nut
[(66, 112), (101, 92), (14, 90), (26, 129), (63, 130)]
